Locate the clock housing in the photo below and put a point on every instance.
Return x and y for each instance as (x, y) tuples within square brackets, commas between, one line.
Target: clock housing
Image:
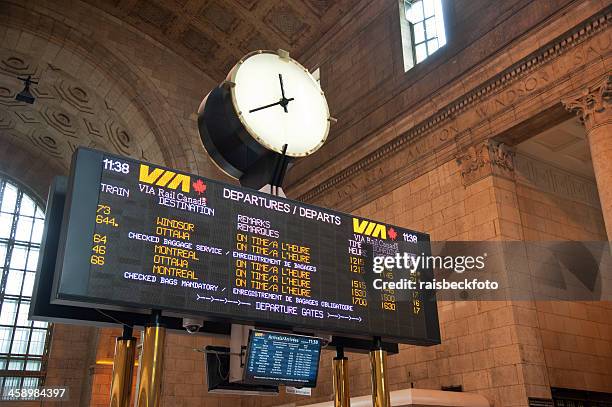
[(269, 108)]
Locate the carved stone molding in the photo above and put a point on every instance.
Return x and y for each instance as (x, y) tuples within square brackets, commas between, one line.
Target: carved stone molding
[(485, 159), (487, 103), (593, 104), (539, 402), (502, 158), (536, 174)]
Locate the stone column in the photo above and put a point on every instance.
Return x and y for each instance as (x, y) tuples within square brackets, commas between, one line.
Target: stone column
[(594, 106)]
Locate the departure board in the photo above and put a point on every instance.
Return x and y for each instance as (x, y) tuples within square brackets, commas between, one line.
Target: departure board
[(278, 358), (137, 236)]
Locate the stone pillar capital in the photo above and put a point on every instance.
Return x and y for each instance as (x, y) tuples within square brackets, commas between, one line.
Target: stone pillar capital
[(592, 104)]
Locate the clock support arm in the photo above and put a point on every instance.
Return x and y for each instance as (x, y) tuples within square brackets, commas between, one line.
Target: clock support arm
[(280, 169)]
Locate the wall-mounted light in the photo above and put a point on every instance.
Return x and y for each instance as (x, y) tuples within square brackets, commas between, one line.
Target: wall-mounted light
[(25, 95)]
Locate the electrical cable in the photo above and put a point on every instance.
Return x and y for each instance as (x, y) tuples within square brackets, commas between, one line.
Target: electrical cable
[(114, 319), (217, 353)]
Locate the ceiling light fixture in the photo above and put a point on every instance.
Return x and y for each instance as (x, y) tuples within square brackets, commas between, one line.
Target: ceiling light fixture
[(25, 95)]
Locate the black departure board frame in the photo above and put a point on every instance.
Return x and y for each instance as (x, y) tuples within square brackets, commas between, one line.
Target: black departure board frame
[(42, 310), (77, 282), (292, 362)]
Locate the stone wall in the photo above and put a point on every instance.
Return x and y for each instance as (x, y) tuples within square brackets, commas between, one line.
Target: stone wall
[(362, 72), (555, 204), (410, 148), (507, 351), (525, 79)]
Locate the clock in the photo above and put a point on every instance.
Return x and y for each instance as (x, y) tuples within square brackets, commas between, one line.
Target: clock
[(268, 111)]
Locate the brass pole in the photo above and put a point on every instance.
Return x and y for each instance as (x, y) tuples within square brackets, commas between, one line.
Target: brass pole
[(342, 396), (151, 367), (380, 384), (123, 369)]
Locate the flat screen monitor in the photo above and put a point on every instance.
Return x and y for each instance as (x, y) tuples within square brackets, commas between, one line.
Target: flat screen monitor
[(279, 358)]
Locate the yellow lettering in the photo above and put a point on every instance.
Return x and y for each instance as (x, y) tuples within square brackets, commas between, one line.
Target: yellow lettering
[(369, 228), (164, 178), (359, 226), (380, 231), (149, 177), (182, 180)]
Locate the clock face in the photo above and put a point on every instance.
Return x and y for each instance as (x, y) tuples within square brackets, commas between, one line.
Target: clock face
[(280, 103)]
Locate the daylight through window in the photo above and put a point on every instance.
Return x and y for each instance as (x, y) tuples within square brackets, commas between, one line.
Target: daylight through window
[(426, 23), (23, 343)]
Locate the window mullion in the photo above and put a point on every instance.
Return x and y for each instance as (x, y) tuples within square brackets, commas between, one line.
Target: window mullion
[(27, 352), (9, 250), (2, 186), (426, 18), (413, 47), (12, 378), (9, 255)]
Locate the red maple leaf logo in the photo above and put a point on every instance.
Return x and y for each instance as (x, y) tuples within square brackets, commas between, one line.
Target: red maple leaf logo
[(392, 234), (199, 187)]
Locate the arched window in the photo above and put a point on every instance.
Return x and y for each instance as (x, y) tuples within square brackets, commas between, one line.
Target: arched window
[(23, 343)]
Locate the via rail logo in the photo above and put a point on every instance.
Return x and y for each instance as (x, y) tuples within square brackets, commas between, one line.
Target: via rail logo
[(373, 229), (165, 178)]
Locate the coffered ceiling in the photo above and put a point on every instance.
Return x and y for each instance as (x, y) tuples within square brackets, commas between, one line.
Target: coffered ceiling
[(214, 34), (564, 145)]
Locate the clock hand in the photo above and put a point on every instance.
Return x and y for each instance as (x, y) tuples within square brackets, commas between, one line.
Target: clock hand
[(280, 78), (283, 102), (266, 106)]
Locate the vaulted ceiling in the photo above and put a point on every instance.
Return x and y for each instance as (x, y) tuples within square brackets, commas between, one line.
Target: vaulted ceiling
[(214, 34), (127, 76)]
